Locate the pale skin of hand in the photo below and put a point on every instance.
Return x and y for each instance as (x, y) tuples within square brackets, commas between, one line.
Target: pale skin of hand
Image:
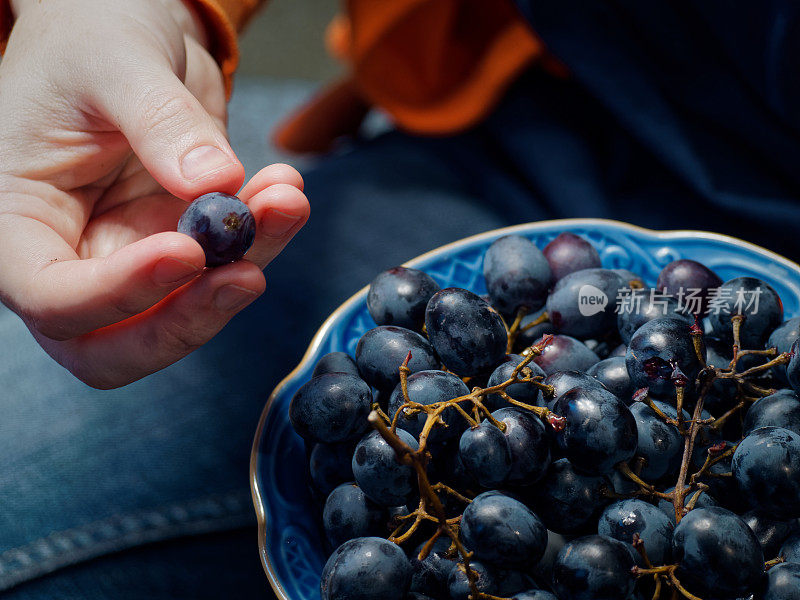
[(112, 118)]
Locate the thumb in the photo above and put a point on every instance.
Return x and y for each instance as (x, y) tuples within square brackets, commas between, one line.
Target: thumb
[(172, 134)]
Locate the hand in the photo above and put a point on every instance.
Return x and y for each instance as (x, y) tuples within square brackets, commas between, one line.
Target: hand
[(112, 117)]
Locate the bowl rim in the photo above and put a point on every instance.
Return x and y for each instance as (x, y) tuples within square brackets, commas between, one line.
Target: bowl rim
[(316, 340)]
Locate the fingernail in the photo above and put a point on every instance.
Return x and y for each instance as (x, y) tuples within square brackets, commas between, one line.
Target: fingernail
[(171, 270), (232, 297), (277, 224), (202, 161)]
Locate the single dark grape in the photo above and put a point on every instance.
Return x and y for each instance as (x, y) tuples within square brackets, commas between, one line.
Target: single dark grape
[(704, 500), (330, 465), (644, 305), (790, 550), (378, 473), (783, 582), (366, 568), (717, 553), (486, 454), (656, 349), (567, 500), (529, 444), (331, 408), (430, 574), (458, 583), (503, 531), (517, 274), (599, 432), (429, 387), (568, 253), (223, 226), (594, 567), (399, 296), (336, 362), (782, 338), (565, 353), (524, 392), (781, 409), (348, 514), (766, 466), (382, 350), (564, 381), (688, 279), (659, 443), (771, 533), (738, 297), (582, 303), (613, 373), (625, 518), (467, 333)]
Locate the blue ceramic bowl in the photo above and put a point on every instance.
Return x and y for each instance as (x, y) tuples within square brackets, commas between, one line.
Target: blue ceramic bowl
[(289, 535)]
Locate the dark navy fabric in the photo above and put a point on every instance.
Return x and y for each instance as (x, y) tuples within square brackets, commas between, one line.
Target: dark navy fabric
[(709, 90)]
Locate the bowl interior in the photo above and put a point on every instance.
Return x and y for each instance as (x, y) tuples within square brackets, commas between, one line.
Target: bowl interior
[(289, 534)]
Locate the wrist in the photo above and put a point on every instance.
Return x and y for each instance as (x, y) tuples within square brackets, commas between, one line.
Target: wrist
[(181, 11)]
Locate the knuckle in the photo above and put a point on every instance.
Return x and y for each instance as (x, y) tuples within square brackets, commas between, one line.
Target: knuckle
[(182, 336), (162, 113)]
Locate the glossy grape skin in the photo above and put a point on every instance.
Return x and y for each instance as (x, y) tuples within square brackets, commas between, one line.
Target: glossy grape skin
[(781, 409), (503, 531), (458, 583), (654, 349), (543, 570), (771, 533), (686, 275), (594, 567), (467, 333), (783, 582), (377, 472), (330, 465), (782, 338), (428, 387), (567, 500), (528, 337), (568, 253), (644, 306), (766, 467), (565, 353), (331, 408), (564, 381), (599, 431), (511, 581), (705, 500), (793, 368), (223, 226), (517, 274), (529, 444), (534, 595), (759, 321), (382, 350), (524, 392), (417, 596), (716, 553), (336, 362), (563, 303), (366, 568), (486, 454), (430, 575), (398, 296), (613, 373), (348, 514), (660, 443), (790, 550), (625, 518)]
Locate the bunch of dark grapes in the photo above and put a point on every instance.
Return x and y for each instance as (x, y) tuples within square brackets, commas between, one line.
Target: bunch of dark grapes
[(573, 435)]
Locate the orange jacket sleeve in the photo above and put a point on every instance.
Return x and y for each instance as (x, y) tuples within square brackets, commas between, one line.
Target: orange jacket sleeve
[(223, 19)]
